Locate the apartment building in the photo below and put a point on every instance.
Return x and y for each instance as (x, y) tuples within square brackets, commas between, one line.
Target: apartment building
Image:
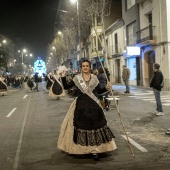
[(147, 39), (97, 51), (153, 38)]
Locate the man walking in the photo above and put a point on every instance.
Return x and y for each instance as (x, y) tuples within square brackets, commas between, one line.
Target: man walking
[(125, 77), (157, 84)]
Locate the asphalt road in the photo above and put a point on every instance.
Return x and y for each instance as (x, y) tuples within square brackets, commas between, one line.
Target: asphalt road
[(30, 124)]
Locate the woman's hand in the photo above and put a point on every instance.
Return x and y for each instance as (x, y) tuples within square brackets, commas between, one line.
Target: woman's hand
[(63, 73), (108, 85)]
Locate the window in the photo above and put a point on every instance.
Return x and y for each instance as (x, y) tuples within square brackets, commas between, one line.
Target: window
[(98, 20), (93, 45), (129, 4), (131, 33)]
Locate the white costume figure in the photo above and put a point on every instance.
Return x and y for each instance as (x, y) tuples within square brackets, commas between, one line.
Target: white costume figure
[(3, 86)]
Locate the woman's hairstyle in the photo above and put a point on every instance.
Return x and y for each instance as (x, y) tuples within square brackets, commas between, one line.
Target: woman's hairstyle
[(84, 62)]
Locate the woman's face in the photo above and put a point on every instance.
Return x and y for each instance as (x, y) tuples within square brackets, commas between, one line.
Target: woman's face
[(85, 67)]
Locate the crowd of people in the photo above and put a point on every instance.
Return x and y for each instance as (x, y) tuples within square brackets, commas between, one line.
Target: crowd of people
[(84, 129)]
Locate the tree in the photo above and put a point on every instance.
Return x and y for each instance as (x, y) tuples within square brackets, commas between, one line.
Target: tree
[(4, 57)]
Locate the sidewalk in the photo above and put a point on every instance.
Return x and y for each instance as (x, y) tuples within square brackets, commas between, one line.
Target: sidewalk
[(119, 89)]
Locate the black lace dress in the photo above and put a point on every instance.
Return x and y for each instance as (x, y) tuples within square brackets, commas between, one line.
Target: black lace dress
[(89, 122), (3, 86), (48, 82)]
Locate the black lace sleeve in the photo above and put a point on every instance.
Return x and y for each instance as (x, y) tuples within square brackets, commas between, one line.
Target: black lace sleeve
[(66, 84)]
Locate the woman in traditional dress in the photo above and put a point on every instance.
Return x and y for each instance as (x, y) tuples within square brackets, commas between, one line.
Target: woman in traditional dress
[(49, 80), (84, 129), (56, 90), (30, 83), (3, 86), (17, 82)]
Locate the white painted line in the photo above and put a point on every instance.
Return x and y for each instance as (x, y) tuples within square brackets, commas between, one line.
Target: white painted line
[(15, 166), (135, 144), (166, 104), (12, 111), (148, 99), (24, 96), (140, 94), (141, 97)]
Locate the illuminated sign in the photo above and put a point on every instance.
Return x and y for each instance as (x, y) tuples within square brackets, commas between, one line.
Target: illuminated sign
[(39, 66), (130, 51)]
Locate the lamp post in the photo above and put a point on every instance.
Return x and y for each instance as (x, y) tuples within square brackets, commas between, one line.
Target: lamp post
[(30, 58), (22, 57), (78, 19)]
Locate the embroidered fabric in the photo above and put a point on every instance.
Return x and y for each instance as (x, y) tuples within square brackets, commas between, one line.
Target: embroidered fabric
[(92, 137), (88, 115)]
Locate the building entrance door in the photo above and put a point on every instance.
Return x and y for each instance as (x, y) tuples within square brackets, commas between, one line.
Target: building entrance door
[(151, 61), (117, 74)]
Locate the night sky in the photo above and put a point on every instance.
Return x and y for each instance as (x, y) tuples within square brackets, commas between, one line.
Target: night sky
[(31, 20)]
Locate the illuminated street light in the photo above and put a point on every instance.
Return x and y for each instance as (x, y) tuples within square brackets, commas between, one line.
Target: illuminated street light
[(78, 18), (4, 41), (60, 33)]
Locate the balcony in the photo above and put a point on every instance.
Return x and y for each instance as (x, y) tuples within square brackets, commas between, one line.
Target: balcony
[(146, 36)]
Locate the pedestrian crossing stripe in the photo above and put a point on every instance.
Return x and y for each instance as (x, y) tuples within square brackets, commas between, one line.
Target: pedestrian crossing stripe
[(150, 97)]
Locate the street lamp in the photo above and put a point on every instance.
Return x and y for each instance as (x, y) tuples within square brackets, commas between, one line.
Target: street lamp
[(22, 55), (60, 34), (78, 18), (30, 58)]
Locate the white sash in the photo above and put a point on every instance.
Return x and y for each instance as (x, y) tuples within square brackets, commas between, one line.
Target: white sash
[(87, 90)]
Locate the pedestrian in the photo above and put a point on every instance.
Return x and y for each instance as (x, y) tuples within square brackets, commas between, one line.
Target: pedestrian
[(29, 83), (84, 129), (56, 90), (36, 80), (49, 80), (107, 73), (157, 84), (125, 77), (103, 91)]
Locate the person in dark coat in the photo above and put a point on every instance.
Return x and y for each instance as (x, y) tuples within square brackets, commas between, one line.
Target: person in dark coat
[(36, 80), (157, 84), (102, 90)]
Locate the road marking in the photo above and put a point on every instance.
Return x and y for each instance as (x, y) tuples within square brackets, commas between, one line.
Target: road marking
[(135, 144), (24, 96), (166, 104), (140, 94), (12, 111), (148, 99), (15, 167)]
